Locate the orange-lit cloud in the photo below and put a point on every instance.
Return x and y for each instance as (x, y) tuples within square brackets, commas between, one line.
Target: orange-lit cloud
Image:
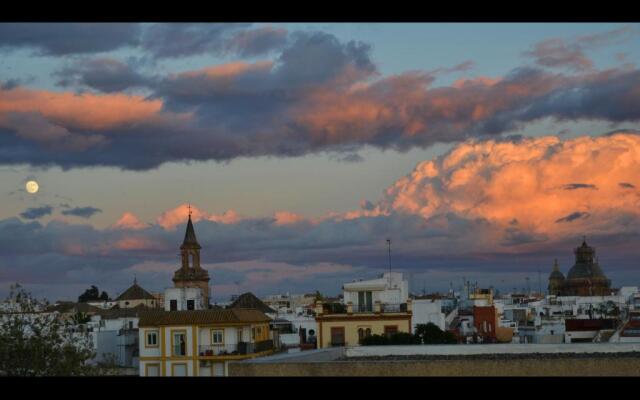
[(81, 111), (287, 218), (539, 185), (178, 216), (228, 70), (129, 221)]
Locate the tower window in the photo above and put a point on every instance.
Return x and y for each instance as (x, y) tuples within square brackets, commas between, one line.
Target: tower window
[(191, 305), (173, 305)]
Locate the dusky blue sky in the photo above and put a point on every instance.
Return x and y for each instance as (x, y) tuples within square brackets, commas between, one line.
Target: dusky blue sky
[(314, 183)]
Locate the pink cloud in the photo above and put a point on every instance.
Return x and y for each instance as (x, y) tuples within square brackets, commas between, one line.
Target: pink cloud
[(178, 216), (287, 218), (128, 221), (81, 111), (527, 182)]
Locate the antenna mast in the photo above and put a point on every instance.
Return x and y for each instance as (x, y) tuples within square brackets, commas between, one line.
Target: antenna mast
[(389, 243)]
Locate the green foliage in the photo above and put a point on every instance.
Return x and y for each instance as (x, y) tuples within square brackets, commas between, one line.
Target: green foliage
[(38, 343), (318, 296), (398, 338), (425, 333), (431, 334), (80, 318), (91, 294), (375, 340)]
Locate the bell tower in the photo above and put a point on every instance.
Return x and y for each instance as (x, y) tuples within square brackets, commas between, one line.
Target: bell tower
[(191, 274)]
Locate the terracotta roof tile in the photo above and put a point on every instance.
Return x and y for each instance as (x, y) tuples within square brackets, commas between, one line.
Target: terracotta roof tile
[(201, 317)]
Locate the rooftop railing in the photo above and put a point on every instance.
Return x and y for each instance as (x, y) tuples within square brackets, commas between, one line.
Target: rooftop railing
[(240, 348)]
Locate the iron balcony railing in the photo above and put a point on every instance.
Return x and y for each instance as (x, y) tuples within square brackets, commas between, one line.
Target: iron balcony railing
[(364, 308), (235, 348), (384, 307)]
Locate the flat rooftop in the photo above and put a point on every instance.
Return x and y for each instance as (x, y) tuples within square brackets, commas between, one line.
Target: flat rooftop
[(571, 359)]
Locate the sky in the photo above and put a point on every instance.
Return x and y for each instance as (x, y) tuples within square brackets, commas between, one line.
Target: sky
[(484, 151)]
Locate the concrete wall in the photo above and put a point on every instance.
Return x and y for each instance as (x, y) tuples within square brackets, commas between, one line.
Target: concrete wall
[(609, 366)]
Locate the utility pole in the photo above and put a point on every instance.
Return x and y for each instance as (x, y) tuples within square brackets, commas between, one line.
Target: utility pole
[(389, 243), (539, 283)]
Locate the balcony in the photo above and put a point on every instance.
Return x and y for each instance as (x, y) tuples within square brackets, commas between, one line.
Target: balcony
[(234, 349), (363, 308), (393, 308)]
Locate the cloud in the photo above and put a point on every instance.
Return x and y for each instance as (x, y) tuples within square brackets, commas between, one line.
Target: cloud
[(626, 185), (128, 221), (573, 216), (36, 212), (473, 210), (316, 94), (186, 39), (83, 212), (59, 39), (574, 186), (256, 42), (177, 216), (103, 74), (560, 53)]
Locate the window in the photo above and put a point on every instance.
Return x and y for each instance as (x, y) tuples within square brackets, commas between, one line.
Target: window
[(130, 324), (337, 336), (365, 301), (390, 330), (152, 370), (363, 332), (239, 335), (179, 344), (217, 336), (253, 333), (173, 305), (191, 304), (152, 339)]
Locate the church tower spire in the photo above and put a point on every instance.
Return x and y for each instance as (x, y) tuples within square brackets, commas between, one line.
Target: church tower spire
[(191, 274)]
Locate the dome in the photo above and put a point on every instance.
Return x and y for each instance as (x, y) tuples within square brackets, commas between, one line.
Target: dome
[(556, 274), (585, 266)]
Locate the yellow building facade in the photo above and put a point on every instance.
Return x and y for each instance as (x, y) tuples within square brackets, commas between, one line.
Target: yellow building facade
[(201, 342), (349, 328)]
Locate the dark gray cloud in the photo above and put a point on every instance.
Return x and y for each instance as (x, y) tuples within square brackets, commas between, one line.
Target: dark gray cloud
[(626, 185), (187, 39), (573, 216), (514, 237), (574, 186), (256, 42), (60, 253), (68, 38), (571, 54), (36, 212), (320, 95), (83, 212), (104, 74), (316, 57)]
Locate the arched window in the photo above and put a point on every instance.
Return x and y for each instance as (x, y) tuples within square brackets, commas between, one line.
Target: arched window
[(367, 332), (360, 335)]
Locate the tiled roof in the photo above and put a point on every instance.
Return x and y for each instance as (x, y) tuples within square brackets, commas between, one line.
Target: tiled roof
[(117, 312), (135, 292), (72, 307), (249, 300), (201, 317)]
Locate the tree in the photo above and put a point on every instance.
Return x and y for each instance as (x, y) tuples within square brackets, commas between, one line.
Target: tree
[(91, 294), (104, 296), (35, 342), (318, 296), (431, 334)]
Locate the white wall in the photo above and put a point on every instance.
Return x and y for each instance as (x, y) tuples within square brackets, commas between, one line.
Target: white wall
[(182, 295), (425, 311)]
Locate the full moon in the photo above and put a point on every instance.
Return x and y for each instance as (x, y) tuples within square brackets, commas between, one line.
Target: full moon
[(32, 187)]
